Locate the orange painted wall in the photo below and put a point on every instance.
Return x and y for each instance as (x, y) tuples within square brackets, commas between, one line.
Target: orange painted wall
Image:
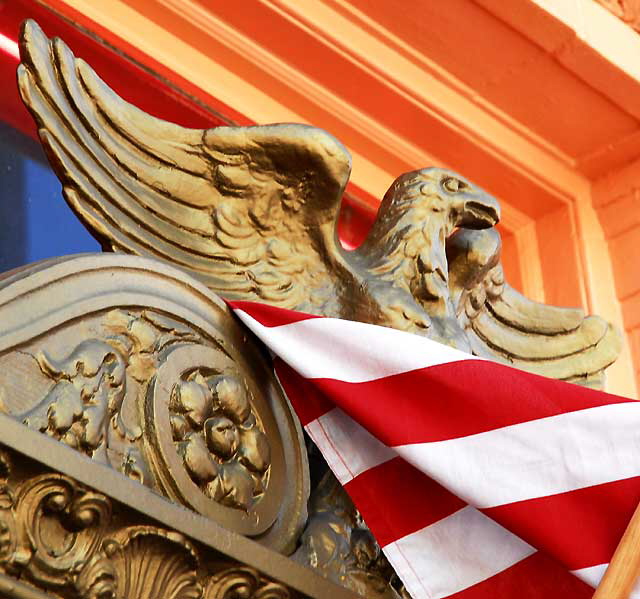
[(617, 199)]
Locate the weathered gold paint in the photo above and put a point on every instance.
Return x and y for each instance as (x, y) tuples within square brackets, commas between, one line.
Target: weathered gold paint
[(141, 367)]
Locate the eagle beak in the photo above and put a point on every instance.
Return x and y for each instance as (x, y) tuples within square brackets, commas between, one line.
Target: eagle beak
[(480, 213)]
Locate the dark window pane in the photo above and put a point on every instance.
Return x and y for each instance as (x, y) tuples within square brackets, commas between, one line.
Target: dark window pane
[(35, 221)]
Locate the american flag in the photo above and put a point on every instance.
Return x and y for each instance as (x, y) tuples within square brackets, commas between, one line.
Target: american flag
[(478, 480)]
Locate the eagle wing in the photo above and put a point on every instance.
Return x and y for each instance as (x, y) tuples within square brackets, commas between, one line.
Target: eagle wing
[(503, 325), (250, 211)]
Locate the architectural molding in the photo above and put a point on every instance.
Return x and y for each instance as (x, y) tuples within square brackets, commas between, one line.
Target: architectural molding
[(33, 458)]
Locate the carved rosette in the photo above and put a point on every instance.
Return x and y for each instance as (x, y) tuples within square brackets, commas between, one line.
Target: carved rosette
[(208, 435), (148, 372), (220, 438)]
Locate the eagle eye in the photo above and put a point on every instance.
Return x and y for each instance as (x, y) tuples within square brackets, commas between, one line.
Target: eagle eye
[(453, 185)]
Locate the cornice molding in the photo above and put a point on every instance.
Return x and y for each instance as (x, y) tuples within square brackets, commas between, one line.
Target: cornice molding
[(446, 106), (406, 70), (628, 11), (214, 27)]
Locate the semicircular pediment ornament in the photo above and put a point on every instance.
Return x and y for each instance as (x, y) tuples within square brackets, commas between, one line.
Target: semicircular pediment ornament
[(142, 368)]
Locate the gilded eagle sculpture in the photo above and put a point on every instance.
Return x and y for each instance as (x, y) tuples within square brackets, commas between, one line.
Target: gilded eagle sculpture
[(252, 213), (139, 365)]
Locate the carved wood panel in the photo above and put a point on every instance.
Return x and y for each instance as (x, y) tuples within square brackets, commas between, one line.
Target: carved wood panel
[(138, 367), (62, 537)]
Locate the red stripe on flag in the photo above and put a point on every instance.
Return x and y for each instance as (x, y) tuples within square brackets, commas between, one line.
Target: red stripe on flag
[(535, 577), (580, 528), (269, 316), (307, 400), (423, 408), (455, 402), (417, 500)]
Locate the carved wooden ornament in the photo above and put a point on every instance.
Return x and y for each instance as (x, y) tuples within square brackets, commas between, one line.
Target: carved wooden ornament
[(135, 362), (142, 368)]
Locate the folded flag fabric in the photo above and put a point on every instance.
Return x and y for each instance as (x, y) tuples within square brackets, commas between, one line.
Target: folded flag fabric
[(478, 480)]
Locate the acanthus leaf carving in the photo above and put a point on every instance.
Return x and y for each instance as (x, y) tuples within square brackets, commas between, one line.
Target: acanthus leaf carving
[(97, 579), (243, 583), (89, 386), (63, 523)]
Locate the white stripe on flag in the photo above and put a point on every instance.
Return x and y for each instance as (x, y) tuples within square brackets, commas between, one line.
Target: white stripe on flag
[(522, 461), (537, 458), (337, 435), (592, 576), (455, 553), (332, 348)]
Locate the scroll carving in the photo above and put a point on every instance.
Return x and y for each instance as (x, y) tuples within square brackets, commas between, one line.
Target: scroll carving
[(50, 528), (62, 537), (243, 582)]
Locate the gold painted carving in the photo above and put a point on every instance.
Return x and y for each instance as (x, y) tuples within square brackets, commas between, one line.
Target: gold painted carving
[(70, 541), (252, 211), (338, 544), (243, 582), (214, 429), (170, 390), (144, 369)]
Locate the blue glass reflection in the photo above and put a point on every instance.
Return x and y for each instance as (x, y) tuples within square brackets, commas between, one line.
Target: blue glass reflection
[(35, 221)]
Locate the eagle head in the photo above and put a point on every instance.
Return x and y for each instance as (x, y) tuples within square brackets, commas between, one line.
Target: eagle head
[(445, 196), (404, 253)]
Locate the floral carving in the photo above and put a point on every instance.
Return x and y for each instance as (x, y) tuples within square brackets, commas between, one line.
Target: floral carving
[(91, 381), (220, 438), (89, 385), (74, 542), (146, 372), (92, 405), (193, 413)]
